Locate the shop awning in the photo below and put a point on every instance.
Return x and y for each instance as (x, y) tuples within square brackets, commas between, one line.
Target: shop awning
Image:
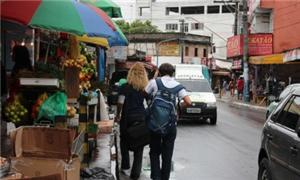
[(268, 59), (221, 73), (93, 40)]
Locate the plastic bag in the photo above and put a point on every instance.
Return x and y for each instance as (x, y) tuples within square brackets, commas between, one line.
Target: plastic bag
[(55, 105)]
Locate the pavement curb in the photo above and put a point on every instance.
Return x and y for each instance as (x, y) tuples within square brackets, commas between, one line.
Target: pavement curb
[(243, 105)]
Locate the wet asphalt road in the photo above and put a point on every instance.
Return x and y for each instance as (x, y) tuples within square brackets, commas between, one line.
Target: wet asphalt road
[(227, 151)]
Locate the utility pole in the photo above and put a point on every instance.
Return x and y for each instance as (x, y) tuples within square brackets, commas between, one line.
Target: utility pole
[(246, 96), (181, 40), (236, 16)]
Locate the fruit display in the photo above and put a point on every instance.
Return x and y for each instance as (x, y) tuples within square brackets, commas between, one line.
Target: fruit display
[(85, 75), (35, 108), (79, 62), (15, 111), (71, 111)]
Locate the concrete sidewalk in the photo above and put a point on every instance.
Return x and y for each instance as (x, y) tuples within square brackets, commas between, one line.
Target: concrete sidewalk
[(239, 103)]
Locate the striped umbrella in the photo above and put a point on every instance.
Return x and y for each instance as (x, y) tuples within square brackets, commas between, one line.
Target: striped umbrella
[(65, 16), (108, 6)]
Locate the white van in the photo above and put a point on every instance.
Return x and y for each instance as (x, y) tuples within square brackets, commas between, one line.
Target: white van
[(203, 100)]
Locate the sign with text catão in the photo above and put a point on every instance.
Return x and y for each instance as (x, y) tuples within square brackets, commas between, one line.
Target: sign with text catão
[(259, 44)]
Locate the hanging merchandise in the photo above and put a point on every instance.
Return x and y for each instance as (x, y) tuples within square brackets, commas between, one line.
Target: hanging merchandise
[(101, 64), (55, 105)]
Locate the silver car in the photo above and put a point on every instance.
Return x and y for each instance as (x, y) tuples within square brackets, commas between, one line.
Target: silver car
[(282, 95), (279, 156)]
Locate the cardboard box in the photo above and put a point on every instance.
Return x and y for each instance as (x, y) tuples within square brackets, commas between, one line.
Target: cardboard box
[(21, 177), (35, 167), (106, 126), (43, 142), (42, 151)]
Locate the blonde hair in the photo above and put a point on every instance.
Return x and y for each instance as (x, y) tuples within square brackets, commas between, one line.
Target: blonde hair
[(137, 77)]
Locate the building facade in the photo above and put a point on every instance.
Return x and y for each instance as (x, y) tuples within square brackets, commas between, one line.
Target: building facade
[(166, 47), (200, 17)]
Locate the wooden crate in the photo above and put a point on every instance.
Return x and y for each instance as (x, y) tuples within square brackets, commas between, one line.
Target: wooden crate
[(72, 82)]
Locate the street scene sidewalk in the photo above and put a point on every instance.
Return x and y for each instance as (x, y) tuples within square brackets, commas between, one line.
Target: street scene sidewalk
[(233, 101)]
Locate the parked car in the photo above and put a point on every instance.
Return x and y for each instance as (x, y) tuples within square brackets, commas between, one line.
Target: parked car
[(279, 155), (203, 101), (282, 95)]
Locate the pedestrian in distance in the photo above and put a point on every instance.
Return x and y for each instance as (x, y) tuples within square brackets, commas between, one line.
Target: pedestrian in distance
[(224, 87), (231, 87), (162, 119), (240, 87), (131, 108)]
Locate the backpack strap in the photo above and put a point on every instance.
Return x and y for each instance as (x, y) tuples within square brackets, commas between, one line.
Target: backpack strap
[(174, 90), (160, 85)]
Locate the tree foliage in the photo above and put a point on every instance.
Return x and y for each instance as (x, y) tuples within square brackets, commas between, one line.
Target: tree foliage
[(137, 26)]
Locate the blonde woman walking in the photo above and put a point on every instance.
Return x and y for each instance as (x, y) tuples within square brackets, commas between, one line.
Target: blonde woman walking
[(132, 110)]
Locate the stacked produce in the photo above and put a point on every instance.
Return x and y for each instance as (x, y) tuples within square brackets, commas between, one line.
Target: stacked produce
[(15, 111), (86, 73), (78, 63), (71, 111), (36, 107)]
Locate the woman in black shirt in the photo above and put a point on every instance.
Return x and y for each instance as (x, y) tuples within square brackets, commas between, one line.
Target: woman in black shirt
[(131, 104)]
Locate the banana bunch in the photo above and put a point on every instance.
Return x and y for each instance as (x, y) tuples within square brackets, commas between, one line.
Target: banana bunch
[(15, 111), (79, 62), (85, 85)]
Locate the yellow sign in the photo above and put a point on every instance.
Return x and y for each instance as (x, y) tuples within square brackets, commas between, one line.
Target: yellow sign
[(169, 49)]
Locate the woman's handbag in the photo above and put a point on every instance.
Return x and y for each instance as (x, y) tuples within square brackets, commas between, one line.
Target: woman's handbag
[(137, 131)]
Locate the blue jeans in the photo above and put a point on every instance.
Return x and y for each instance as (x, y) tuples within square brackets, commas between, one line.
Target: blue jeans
[(162, 145)]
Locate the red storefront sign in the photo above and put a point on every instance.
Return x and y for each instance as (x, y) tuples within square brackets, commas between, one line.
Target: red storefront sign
[(235, 46), (259, 44), (236, 64)]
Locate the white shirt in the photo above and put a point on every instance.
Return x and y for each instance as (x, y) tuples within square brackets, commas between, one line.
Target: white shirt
[(168, 82)]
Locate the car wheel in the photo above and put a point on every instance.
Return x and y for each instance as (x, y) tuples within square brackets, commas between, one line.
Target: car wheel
[(264, 172), (213, 120)]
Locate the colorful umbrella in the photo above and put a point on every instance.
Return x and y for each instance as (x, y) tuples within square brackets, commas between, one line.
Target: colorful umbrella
[(111, 8), (66, 16), (118, 40)]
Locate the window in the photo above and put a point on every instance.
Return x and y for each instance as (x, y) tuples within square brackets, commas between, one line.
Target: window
[(171, 27), (186, 27), (144, 11), (192, 10), (197, 26), (204, 52), (290, 114), (196, 52), (172, 11), (213, 9), (186, 51), (228, 8)]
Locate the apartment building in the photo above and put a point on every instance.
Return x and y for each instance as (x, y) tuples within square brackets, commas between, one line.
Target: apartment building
[(200, 17)]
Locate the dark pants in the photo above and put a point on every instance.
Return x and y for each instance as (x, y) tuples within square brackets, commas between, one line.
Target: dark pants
[(164, 146), (137, 158)]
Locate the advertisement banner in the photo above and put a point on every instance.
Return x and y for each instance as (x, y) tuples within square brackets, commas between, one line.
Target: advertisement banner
[(291, 55), (235, 46), (260, 44)]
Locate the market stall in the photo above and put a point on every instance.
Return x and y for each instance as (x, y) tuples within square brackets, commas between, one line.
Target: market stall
[(61, 90)]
